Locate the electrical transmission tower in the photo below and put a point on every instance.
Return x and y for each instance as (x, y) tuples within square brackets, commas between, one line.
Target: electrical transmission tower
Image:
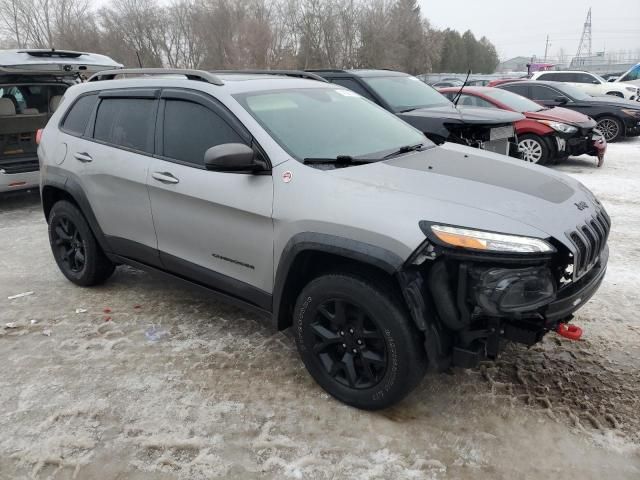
[(585, 41)]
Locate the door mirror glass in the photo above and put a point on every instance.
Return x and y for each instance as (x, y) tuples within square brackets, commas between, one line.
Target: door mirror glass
[(231, 157)]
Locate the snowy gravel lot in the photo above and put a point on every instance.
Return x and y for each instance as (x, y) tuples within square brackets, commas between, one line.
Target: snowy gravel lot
[(170, 384)]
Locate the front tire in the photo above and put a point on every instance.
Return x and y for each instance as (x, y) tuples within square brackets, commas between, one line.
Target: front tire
[(616, 94), (357, 341), (534, 149), (75, 248), (610, 127)]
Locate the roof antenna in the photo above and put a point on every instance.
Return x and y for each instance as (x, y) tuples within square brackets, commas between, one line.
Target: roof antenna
[(139, 61), (459, 94)]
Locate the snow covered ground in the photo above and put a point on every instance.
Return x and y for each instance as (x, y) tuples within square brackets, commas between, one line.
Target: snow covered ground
[(169, 384)]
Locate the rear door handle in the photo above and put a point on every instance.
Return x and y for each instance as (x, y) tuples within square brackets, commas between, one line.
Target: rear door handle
[(164, 177), (83, 157)]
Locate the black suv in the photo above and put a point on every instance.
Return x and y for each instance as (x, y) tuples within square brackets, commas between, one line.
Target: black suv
[(429, 111)]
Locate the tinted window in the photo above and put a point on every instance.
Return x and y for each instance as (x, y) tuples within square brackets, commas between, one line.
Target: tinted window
[(584, 78), (191, 129), (633, 74), (519, 89), (78, 116), (555, 77), (127, 122), (352, 84), (539, 92)]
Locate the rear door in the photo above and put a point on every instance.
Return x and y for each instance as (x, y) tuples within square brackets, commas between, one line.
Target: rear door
[(213, 227), (112, 161)]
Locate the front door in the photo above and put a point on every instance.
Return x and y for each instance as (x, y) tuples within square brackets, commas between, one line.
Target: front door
[(213, 227)]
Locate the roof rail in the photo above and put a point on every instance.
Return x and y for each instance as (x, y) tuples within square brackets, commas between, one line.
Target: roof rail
[(287, 73), (200, 75)]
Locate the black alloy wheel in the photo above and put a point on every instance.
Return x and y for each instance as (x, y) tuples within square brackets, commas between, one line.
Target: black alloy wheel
[(349, 344), (68, 241)]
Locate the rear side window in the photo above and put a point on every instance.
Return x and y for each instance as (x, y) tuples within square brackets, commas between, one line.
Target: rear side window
[(190, 129), (126, 122), (76, 120)]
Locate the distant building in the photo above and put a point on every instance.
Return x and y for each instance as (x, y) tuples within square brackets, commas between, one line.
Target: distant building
[(515, 64)]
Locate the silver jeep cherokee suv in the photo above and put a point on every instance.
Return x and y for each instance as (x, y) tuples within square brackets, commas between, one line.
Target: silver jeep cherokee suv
[(304, 201)]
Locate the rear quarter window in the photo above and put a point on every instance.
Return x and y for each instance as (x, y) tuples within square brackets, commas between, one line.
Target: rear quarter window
[(77, 117)]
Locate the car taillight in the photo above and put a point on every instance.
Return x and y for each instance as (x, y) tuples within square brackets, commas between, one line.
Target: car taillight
[(38, 136)]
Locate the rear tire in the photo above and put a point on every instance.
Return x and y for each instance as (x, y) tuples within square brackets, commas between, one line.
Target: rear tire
[(615, 94), (75, 248), (610, 127), (357, 341), (534, 149)]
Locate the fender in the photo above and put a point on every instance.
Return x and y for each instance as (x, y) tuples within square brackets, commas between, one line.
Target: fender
[(67, 182), (361, 252)]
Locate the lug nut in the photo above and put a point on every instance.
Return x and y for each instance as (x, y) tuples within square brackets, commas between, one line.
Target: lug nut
[(354, 350), (344, 345), (359, 342), (351, 331), (342, 333)]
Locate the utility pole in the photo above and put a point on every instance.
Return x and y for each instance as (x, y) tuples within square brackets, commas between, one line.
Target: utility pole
[(546, 49)]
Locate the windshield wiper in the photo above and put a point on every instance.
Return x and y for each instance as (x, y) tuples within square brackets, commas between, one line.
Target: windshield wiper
[(340, 160), (404, 149)]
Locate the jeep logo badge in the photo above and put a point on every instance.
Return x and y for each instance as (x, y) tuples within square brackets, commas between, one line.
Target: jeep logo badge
[(581, 205)]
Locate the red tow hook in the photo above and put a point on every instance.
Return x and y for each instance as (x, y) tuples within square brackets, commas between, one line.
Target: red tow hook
[(572, 332)]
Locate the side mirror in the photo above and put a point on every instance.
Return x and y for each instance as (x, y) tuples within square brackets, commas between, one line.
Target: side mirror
[(231, 157), (561, 100)]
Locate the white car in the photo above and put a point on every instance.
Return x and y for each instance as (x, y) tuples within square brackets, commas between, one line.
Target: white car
[(590, 83), (32, 83)]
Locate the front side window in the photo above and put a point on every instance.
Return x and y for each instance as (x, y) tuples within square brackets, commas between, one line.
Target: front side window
[(406, 92), (519, 89), (126, 122), (328, 122), (76, 120), (190, 129)]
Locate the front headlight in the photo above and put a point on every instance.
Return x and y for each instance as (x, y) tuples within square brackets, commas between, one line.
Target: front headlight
[(560, 127), (632, 112), (631, 89), (489, 241)]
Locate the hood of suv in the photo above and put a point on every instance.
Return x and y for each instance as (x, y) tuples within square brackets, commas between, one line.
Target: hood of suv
[(459, 185), (463, 115), (564, 115)]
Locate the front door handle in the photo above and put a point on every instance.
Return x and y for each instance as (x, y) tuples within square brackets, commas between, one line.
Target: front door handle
[(164, 177), (83, 157)]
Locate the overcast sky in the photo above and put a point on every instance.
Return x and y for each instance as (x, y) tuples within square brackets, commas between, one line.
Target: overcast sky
[(520, 27)]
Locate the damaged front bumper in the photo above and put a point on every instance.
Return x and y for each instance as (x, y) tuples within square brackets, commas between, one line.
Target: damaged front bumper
[(582, 143), (468, 305)]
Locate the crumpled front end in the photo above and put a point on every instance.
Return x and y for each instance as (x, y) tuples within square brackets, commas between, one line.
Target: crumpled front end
[(469, 304)]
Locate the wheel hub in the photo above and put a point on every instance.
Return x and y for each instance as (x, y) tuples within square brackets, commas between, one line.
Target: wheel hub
[(348, 344)]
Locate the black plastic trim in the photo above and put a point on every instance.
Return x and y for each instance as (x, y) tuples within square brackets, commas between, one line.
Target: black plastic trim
[(320, 242)]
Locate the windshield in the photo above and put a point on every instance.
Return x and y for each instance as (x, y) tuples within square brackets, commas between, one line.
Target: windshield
[(572, 91), (513, 100), (328, 122), (602, 80), (632, 74), (406, 92)]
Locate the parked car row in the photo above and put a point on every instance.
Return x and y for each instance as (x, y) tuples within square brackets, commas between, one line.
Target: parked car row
[(546, 135), (320, 208)]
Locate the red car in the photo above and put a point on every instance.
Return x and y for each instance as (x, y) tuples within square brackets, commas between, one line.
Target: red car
[(546, 134)]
